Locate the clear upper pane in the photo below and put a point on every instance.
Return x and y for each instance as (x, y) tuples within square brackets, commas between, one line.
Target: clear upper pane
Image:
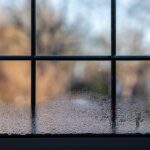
[(73, 97), (133, 97), (15, 87), (73, 27), (15, 27), (133, 32)]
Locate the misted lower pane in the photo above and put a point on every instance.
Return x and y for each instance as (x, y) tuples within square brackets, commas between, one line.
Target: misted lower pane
[(73, 27), (133, 97), (133, 32), (15, 27), (15, 97), (73, 97)]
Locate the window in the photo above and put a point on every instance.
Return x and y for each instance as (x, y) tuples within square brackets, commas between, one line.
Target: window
[(84, 76)]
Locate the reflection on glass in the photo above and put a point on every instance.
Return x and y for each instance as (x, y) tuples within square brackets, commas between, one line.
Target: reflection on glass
[(73, 97), (15, 97), (133, 97), (73, 27), (133, 32), (15, 26)]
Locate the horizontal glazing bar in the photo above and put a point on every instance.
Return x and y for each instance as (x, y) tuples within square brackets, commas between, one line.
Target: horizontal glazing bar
[(132, 58), (77, 58), (56, 58)]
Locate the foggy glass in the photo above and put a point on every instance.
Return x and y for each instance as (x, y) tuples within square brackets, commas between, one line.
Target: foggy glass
[(133, 97), (15, 97), (73, 97)]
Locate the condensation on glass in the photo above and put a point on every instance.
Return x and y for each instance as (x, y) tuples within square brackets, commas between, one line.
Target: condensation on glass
[(133, 32), (15, 27), (133, 97), (73, 97), (73, 27), (15, 97)]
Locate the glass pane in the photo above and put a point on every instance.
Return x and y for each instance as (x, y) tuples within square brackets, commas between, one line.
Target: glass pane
[(15, 27), (133, 97), (73, 97), (73, 27), (15, 97), (133, 32)]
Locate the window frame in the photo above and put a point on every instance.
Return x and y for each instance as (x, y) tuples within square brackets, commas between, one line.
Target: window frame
[(113, 58)]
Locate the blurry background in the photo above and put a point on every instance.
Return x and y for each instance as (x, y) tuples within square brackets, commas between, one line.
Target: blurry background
[(15, 27), (133, 32), (74, 27), (133, 97)]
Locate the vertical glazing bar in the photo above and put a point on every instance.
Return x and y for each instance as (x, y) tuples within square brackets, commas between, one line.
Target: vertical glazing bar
[(113, 64), (33, 65)]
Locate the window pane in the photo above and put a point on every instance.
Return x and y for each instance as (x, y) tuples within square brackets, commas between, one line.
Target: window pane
[(15, 97), (133, 97), (15, 27), (73, 27), (133, 32), (73, 97)]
